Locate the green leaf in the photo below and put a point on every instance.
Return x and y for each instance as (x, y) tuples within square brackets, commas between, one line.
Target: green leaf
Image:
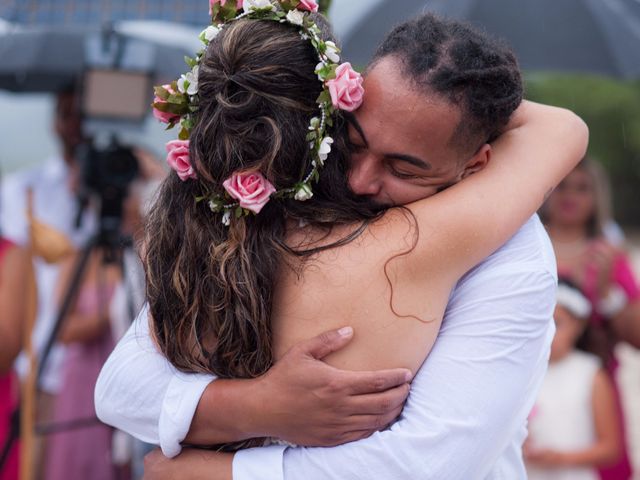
[(184, 134), (171, 108), (331, 74), (239, 212), (191, 62), (215, 10), (289, 4), (177, 99), (161, 92), (324, 97)]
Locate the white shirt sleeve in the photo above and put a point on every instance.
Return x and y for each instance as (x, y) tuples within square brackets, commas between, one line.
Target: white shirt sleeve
[(468, 401), (13, 205), (140, 392)]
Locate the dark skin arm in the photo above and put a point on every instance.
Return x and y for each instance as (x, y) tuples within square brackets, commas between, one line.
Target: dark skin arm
[(626, 324), (301, 400), (15, 274)]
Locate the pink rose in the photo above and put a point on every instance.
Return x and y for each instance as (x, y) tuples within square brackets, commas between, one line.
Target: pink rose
[(310, 5), (178, 159), (164, 117), (346, 89), (222, 2), (251, 190)]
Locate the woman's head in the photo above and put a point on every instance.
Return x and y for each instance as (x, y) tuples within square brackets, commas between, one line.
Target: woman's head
[(258, 91), (210, 286), (581, 200)]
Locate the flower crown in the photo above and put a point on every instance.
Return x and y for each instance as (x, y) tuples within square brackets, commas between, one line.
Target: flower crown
[(177, 103)]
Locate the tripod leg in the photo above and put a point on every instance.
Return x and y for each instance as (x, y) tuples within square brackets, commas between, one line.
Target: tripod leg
[(67, 302)]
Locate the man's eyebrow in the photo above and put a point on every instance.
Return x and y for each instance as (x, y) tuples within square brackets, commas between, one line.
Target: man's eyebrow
[(354, 122), (415, 161)]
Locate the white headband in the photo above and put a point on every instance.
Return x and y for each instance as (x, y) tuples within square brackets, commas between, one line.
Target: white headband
[(574, 301)]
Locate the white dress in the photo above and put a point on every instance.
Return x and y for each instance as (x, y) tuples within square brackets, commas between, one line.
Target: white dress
[(562, 419)]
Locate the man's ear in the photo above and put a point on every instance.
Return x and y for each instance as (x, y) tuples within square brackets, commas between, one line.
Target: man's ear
[(477, 162)]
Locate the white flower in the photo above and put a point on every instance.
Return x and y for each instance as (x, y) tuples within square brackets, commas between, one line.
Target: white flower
[(325, 149), (249, 5), (332, 52), (296, 17), (314, 124), (215, 205), (188, 83), (209, 33), (303, 193), (226, 218), (318, 69)]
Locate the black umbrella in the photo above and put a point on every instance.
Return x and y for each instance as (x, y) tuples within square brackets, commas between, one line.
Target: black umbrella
[(96, 13), (594, 36), (46, 60)]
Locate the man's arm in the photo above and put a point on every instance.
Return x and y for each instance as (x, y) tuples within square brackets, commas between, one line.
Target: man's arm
[(139, 392), (301, 399), (467, 402)]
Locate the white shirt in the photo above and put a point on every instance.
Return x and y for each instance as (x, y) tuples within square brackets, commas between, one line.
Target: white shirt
[(464, 419), (55, 205)]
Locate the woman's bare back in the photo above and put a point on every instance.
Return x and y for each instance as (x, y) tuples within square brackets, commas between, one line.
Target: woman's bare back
[(349, 286)]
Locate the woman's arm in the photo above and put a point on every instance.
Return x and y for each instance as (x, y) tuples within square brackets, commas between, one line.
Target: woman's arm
[(468, 221), (626, 324), (14, 277)]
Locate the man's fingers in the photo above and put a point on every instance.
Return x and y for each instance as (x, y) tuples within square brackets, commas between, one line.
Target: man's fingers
[(367, 424), (362, 383), (380, 403), (328, 342)]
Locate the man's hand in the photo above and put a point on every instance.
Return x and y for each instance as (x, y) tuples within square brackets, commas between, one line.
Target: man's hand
[(307, 402), (301, 400), (189, 465)]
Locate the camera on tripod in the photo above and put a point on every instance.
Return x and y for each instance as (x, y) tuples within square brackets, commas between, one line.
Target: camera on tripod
[(112, 100)]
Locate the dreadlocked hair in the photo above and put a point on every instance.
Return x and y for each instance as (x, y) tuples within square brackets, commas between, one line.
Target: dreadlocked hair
[(210, 287), (473, 71)]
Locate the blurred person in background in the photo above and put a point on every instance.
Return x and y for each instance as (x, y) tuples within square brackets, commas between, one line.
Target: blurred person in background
[(51, 229), (574, 426), (15, 275), (108, 297), (576, 214)]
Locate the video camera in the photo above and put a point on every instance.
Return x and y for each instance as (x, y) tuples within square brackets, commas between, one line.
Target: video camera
[(111, 100)]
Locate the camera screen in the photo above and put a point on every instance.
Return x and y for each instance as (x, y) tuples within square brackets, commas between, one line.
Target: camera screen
[(116, 95)]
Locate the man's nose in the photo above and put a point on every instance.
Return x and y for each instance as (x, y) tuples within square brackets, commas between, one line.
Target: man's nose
[(364, 176)]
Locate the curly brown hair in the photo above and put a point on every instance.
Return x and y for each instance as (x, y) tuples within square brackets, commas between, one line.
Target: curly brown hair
[(210, 288)]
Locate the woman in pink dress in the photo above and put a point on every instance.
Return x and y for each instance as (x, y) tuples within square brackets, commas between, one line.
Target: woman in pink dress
[(84, 452), (577, 215), (14, 275)]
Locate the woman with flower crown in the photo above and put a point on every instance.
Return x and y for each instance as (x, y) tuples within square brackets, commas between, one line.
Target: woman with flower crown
[(257, 242)]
